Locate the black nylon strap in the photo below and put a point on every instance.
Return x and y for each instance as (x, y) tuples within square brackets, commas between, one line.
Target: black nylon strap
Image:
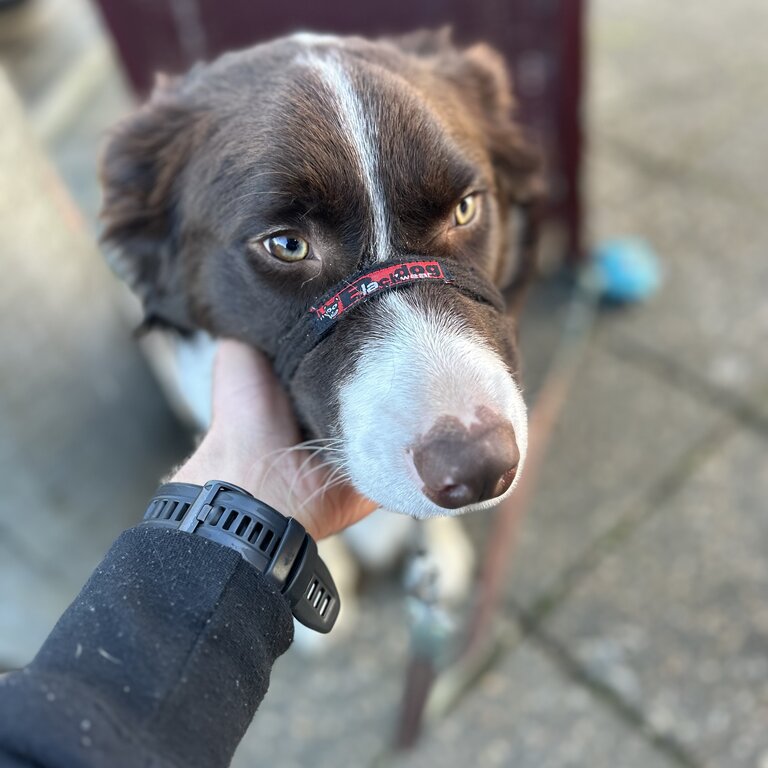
[(322, 317)]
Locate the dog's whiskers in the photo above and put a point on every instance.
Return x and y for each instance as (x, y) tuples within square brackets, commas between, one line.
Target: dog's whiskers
[(303, 473), (332, 447), (337, 476), (328, 444)]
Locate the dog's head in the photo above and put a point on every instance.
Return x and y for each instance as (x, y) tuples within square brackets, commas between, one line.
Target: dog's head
[(244, 190)]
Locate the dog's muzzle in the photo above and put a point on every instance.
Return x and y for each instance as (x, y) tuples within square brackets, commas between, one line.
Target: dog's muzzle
[(322, 316)]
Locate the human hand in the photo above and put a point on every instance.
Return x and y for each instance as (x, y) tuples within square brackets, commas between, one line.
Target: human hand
[(254, 442)]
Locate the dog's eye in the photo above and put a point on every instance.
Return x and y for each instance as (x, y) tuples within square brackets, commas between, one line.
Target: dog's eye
[(287, 247), (465, 211)]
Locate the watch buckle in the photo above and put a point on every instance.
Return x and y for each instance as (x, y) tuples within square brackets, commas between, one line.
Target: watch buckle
[(203, 504)]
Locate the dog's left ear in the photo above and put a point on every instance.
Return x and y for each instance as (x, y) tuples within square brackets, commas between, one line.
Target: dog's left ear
[(482, 74)]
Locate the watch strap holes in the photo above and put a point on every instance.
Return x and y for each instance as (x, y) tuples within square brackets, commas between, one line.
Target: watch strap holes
[(245, 521), (231, 517), (266, 539), (255, 532), (216, 516), (154, 509), (181, 510), (165, 509)]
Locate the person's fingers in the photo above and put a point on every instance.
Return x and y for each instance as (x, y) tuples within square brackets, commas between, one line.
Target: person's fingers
[(253, 437), (343, 506), (248, 400), (240, 372), (241, 360)]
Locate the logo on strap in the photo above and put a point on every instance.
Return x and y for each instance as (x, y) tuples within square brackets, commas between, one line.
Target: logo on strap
[(375, 281)]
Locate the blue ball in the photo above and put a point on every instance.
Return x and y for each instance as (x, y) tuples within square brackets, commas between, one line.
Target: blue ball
[(626, 270)]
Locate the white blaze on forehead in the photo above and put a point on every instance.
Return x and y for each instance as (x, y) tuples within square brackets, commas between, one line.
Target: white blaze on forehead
[(360, 130), (419, 366), (314, 38)]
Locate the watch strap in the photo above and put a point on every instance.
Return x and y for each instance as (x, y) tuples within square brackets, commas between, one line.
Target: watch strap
[(277, 546)]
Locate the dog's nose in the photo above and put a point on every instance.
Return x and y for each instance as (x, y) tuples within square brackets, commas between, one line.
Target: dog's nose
[(461, 466)]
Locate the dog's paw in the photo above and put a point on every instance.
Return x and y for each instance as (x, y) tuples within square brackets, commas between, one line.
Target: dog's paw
[(451, 555), (380, 539)]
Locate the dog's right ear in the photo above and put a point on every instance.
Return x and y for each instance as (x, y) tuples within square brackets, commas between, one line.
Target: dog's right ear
[(141, 173)]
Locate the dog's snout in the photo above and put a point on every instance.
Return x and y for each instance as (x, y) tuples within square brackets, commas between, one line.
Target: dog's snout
[(461, 466)]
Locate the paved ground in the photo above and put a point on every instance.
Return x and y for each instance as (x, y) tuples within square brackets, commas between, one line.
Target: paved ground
[(84, 431), (636, 623)]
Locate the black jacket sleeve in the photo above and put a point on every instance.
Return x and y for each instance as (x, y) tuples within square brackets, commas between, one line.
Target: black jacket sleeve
[(161, 660)]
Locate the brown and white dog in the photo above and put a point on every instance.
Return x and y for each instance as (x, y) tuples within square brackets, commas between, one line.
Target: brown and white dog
[(245, 189)]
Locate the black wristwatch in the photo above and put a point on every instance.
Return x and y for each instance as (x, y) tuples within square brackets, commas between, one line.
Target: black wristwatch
[(277, 546)]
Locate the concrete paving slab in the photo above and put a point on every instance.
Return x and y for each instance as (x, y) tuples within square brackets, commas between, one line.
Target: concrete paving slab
[(540, 328), (338, 709), (622, 432), (711, 315), (732, 158), (675, 137), (704, 78), (527, 715), (86, 434), (39, 40), (676, 620), (31, 599), (76, 149)]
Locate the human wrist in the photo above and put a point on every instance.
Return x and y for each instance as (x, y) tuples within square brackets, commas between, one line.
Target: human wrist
[(231, 461), (214, 458)]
